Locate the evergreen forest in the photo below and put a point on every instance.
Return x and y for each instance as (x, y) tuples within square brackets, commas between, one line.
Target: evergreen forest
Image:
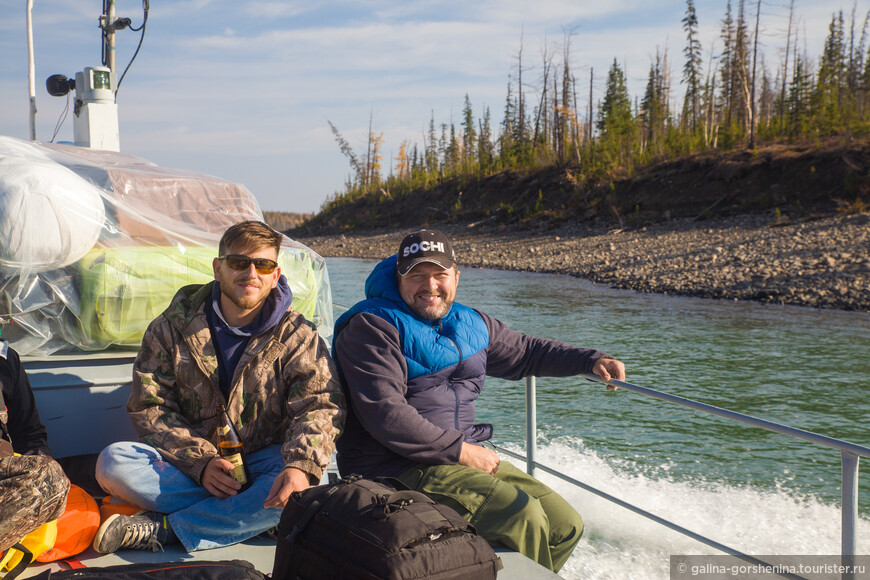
[(732, 100)]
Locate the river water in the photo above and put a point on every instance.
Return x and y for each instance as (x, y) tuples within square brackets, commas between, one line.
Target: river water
[(751, 489)]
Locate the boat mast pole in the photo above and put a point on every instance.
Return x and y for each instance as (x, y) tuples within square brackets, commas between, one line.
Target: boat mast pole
[(31, 71), (109, 32)]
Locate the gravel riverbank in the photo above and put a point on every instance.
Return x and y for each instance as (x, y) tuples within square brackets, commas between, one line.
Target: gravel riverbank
[(823, 263)]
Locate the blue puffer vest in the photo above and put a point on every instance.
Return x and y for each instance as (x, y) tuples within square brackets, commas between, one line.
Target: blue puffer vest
[(446, 358)]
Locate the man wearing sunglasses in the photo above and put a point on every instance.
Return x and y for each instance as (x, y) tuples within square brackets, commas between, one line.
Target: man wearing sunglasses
[(234, 342)]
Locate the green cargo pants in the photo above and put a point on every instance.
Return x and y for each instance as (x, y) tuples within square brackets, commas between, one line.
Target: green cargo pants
[(510, 508)]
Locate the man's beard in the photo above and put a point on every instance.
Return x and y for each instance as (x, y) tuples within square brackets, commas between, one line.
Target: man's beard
[(245, 302), (431, 313)]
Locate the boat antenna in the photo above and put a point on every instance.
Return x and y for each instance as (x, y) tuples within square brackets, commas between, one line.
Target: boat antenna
[(110, 24)]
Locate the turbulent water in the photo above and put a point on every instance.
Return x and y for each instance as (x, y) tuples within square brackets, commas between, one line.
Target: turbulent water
[(751, 489)]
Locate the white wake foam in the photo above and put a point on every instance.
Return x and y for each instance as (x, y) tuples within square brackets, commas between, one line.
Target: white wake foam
[(618, 543)]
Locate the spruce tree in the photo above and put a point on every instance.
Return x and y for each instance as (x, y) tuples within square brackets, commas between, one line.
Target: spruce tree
[(469, 135), (431, 150), (484, 144), (798, 103), (508, 124), (453, 154), (827, 102), (692, 67), (653, 106), (615, 120)]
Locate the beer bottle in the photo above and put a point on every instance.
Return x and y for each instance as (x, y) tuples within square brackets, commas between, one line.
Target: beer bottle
[(231, 449)]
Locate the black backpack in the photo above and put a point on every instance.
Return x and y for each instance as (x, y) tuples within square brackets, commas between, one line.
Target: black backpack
[(364, 528)]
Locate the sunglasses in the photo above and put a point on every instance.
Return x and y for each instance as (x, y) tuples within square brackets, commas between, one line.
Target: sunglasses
[(239, 262)]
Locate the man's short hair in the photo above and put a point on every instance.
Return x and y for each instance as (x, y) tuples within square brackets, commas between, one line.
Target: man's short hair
[(250, 234), (425, 246)]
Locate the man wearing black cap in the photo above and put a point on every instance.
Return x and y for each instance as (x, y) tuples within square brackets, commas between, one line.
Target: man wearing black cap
[(413, 362)]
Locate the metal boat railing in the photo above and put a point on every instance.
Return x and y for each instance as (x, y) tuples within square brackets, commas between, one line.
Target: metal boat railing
[(850, 454)]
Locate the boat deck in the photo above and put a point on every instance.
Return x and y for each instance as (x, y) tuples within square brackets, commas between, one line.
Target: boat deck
[(63, 385), (260, 552)]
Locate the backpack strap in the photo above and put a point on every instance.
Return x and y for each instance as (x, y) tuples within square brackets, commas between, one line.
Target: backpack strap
[(25, 561), (309, 512), (408, 495)]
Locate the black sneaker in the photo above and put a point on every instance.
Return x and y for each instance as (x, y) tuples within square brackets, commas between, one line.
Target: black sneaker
[(144, 531), (271, 533)]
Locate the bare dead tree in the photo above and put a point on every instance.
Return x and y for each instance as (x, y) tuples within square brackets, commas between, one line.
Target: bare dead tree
[(557, 119), (575, 138), (752, 120), (346, 149), (521, 102), (590, 121), (567, 113), (541, 118), (785, 64), (368, 162), (711, 123), (743, 75)]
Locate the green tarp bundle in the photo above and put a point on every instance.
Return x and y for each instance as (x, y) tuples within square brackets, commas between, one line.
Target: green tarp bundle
[(124, 289)]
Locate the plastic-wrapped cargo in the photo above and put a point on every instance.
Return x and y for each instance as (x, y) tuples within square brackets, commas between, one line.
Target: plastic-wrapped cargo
[(94, 244)]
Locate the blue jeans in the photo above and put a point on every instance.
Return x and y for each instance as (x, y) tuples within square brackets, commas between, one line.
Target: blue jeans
[(136, 473)]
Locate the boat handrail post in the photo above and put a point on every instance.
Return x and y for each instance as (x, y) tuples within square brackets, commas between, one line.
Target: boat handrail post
[(531, 424), (850, 453), (850, 513)]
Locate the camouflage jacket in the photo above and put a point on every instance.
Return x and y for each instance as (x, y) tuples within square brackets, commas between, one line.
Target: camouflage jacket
[(285, 389)]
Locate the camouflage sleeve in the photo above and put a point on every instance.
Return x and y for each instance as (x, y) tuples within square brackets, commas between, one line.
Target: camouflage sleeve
[(315, 405), (155, 406), (33, 491)]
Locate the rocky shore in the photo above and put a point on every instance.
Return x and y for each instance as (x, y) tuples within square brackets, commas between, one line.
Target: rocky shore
[(821, 263)]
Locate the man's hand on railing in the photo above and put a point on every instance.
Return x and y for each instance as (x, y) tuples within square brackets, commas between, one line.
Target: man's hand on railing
[(607, 369)]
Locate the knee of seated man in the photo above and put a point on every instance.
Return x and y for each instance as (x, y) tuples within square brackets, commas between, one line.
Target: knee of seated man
[(565, 522), (120, 453), (566, 525), (108, 458), (534, 515), (510, 508)]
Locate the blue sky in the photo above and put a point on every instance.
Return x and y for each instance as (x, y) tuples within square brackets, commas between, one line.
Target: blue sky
[(243, 90)]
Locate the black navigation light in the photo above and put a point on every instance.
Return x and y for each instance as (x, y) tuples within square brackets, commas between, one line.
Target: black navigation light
[(59, 85), (121, 23)]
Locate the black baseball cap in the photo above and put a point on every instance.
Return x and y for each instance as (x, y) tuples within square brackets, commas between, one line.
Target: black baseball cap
[(425, 246)]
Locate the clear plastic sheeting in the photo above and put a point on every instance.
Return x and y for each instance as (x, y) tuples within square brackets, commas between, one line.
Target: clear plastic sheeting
[(50, 216), (94, 244)]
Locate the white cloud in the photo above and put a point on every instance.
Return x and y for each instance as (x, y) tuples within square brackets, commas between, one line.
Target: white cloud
[(268, 10), (252, 84)]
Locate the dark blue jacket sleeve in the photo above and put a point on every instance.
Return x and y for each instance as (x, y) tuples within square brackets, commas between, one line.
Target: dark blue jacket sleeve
[(376, 375), (512, 355)]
